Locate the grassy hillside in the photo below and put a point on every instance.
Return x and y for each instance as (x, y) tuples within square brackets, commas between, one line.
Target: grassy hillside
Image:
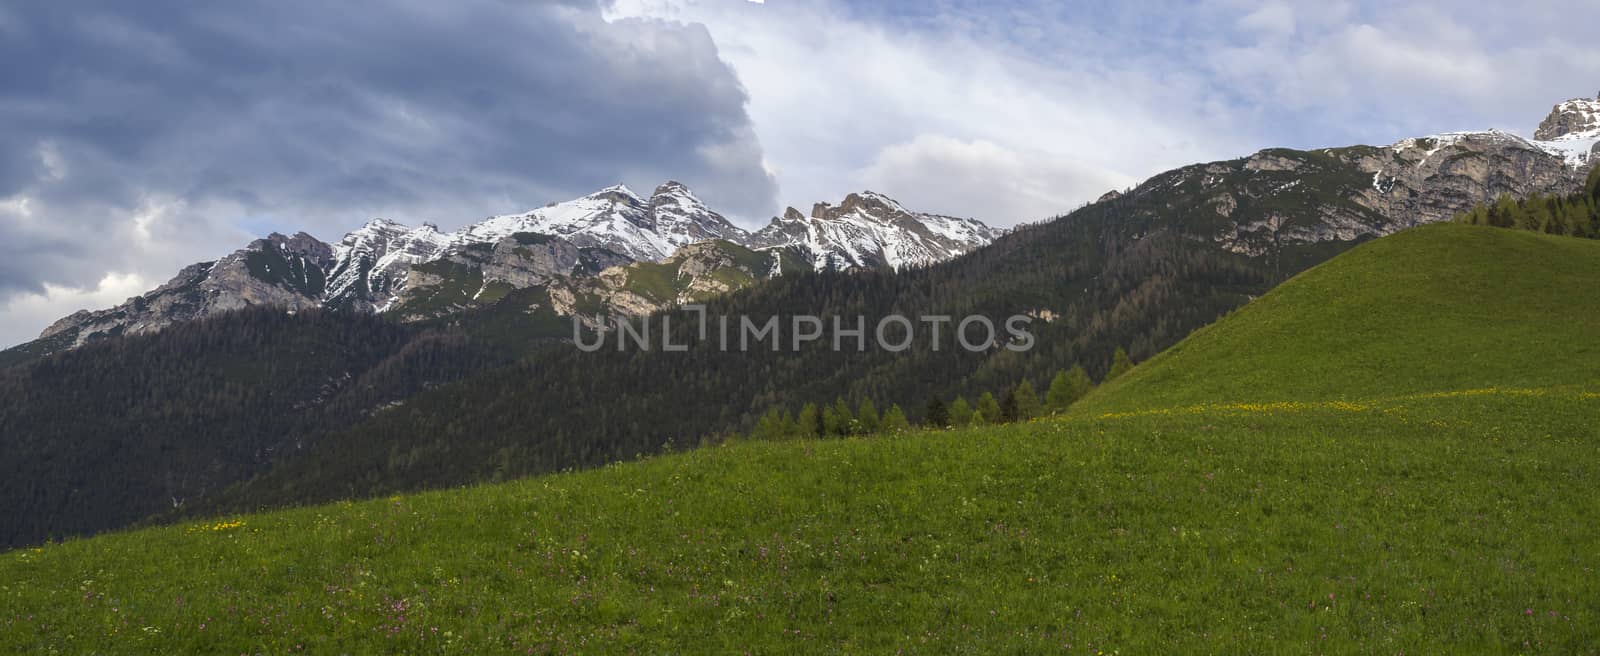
[(1438, 308), (1239, 502)]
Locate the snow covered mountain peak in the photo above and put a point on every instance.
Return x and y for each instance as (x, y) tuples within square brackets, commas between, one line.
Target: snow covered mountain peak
[(617, 219), (617, 193), (1572, 117), (869, 229), (683, 219), (1572, 131)]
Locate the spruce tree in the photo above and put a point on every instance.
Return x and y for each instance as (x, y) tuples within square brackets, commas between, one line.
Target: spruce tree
[(1059, 394), (989, 408), (1068, 388), (788, 428), (960, 412), (1078, 383), (1009, 408), (810, 421), (894, 421), (1027, 401), (843, 419), (936, 416), (770, 427), (867, 415), (1120, 364)]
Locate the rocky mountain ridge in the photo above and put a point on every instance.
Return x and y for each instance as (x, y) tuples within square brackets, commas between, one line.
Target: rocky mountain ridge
[(1258, 205), (426, 273)]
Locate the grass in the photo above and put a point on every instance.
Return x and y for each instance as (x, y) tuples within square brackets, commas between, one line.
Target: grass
[(1438, 308), (1250, 515)]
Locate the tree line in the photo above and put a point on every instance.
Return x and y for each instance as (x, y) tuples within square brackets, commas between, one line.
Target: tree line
[(1577, 215), (1019, 402)]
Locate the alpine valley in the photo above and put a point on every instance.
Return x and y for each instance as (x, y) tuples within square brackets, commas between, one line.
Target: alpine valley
[(413, 358)]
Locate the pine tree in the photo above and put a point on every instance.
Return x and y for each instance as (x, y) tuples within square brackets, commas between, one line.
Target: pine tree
[(936, 416), (1120, 364), (867, 415), (843, 419), (894, 421), (960, 412), (810, 421), (1009, 409), (770, 426), (1078, 383), (788, 428), (989, 408), (1027, 401), (1059, 394)]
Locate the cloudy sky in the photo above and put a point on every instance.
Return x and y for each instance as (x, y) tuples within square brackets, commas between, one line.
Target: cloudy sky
[(141, 136)]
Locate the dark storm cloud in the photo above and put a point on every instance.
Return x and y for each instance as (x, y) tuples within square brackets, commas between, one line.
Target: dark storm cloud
[(138, 132)]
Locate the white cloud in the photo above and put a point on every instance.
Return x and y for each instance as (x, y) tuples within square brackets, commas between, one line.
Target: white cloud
[(1125, 91), (982, 178), (1374, 73), (1273, 19), (27, 313), (839, 100)]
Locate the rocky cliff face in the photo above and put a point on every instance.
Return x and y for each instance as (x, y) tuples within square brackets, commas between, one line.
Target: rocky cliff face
[(278, 270), (482, 274), (1573, 117), (1279, 198), (694, 273), (549, 277)]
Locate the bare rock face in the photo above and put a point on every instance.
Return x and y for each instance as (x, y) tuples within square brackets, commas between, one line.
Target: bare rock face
[(1433, 179), (1575, 116), (694, 273), (483, 273), (1279, 199), (278, 270)]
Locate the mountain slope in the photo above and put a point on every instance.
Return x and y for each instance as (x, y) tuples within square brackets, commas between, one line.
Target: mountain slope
[(1456, 521), (1428, 310), (118, 430), (278, 271)]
